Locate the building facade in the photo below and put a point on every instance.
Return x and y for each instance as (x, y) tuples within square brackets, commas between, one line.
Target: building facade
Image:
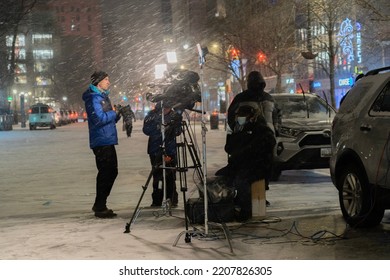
[(58, 43)]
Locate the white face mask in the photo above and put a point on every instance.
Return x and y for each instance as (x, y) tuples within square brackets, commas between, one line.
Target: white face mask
[(241, 120)]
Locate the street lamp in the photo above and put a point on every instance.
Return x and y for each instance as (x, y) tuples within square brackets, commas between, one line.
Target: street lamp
[(171, 57), (159, 71)]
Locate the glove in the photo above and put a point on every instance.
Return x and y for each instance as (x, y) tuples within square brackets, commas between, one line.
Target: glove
[(167, 159)]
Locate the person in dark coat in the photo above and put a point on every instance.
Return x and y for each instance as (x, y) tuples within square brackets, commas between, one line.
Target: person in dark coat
[(250, 147), (262, 101), (103, 137), (159, 150)]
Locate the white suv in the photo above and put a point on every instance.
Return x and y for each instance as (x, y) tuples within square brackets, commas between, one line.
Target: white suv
[(360, 161), (303, 132)]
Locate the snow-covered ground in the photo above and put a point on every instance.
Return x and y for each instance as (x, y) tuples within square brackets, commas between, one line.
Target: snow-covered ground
[(47, 185)]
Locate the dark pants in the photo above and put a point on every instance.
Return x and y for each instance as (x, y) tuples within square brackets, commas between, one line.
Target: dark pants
[(107, 165), (170, 180)]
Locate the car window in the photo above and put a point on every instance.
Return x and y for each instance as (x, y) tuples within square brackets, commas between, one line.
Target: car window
[(35, 110), (44, 110), (382, 103), (354, 96), (298, 107)]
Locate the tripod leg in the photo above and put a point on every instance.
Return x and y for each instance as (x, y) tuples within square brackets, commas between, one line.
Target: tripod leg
[(135, 214), (187, 238)]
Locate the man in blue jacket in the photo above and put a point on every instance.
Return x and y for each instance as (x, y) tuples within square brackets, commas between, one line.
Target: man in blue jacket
[(103, 137)]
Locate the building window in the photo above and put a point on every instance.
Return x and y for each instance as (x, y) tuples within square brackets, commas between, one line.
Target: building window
[(42, 81), (20, 79), (42, 39), (20, 68), (20, 54), (43, 54), (41, 66), (20, 40)]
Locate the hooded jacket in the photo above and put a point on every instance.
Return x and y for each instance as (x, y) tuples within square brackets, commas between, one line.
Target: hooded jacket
[(101, 118), (256, 97)]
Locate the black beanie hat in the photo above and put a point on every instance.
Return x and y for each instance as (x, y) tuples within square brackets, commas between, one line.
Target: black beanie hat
[(97, 76)]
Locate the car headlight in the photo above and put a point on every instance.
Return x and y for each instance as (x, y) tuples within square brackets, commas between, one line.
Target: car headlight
[(289, 132)]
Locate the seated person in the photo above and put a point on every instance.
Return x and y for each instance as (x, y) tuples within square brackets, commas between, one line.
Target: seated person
[(250, 147)]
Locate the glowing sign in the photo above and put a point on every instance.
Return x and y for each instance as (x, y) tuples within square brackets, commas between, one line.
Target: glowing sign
[(235, 67), (348, 37), (346, 82), (317, 84), (290, 81), (358, 43)]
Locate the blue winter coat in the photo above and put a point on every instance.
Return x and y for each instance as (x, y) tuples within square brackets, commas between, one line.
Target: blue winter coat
[(101, 118)]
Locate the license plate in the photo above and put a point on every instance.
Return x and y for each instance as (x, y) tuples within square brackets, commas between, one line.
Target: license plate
[(326, 152)]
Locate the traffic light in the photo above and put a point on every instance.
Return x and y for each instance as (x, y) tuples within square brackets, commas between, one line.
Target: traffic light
[(234, 53), (261, 57)]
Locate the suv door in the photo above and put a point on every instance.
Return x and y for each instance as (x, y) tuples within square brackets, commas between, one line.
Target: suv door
[(376, 128)]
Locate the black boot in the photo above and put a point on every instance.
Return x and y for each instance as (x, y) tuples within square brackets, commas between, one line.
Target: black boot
[(157, 197)]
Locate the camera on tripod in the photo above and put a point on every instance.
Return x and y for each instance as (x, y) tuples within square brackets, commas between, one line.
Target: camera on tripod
[(180, 90)]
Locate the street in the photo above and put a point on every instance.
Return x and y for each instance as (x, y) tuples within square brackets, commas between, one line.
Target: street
[(47, 186)]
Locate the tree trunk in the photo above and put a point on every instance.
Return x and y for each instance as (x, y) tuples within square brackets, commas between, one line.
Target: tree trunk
[(278, 87)]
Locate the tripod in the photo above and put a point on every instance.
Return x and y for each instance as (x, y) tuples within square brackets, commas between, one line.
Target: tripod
[(186, 148), (158, 129), (187, 144)]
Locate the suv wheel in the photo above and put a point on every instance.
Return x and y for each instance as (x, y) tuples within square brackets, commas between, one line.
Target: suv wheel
[(357, 201)]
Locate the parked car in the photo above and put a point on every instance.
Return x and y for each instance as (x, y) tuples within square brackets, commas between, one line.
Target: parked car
[(73, 116), (82, 116), (64, 117), (360, 160), (303, 133), (58, 118), (41, 115)]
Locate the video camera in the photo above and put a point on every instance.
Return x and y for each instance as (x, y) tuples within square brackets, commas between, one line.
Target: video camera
[(180, 90)]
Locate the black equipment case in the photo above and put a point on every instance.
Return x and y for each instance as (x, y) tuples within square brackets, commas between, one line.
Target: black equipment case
[(220, 212)]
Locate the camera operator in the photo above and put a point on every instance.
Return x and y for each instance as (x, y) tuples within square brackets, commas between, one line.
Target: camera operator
[(157, 150)]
